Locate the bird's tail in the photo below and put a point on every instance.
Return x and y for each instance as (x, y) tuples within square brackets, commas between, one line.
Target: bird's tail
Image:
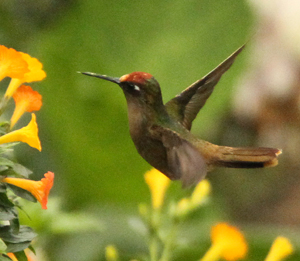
[(247, 157)]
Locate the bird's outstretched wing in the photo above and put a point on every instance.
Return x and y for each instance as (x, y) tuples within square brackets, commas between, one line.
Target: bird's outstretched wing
[(186, 105), (185, 162)]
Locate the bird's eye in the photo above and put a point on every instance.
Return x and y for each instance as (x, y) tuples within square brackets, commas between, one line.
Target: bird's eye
[(133, 87)]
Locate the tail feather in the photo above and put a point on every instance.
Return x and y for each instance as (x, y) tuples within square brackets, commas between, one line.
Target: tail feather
[(247, 157)]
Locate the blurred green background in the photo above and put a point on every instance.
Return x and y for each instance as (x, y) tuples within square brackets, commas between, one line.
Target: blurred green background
[(83, 122)]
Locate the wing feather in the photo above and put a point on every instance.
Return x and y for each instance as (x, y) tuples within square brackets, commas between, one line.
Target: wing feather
[(186, 105), (185, 162)]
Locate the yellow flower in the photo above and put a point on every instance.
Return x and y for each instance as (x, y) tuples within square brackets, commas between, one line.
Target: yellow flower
[(111, 253), (12, 63), (227, 243), (39, 189), (200, 193), (280, 249), (28, 134), (36, 73), (158, 184), (183, 207), (26, 100)]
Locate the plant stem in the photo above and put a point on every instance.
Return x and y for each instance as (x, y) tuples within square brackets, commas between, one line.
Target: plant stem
[(153, 248), (169, 242), (154, 238)]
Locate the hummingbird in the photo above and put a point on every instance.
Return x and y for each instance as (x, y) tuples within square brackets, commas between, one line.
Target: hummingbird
[(161, 132)]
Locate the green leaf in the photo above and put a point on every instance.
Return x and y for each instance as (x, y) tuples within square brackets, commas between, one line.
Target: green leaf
[(16, 247), (21, 170), (15, 225), (4, 200), (10, 168), (4, 258), (25, 235), (3, 169), (4, 127), (7, 147), (7, 213), (22, 193), (7, 208), (2, 187), (2, 246), (32, 249), (16, 242), (21, 256), (6, 162)]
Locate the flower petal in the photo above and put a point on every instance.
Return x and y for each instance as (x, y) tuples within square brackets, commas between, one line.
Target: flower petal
[(28, 134), (39, 189), (158, 184), (36, 73), (227, 243), (280, 249), (26, 100), (201, 191), (233, 241), (12, 64)]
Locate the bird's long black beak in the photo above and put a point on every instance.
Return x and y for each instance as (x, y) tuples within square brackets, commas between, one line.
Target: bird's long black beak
[(104, 77)]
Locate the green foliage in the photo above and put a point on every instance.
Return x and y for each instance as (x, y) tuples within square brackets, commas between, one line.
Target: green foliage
[(4, 258), (16, 242), (56, 221), (22, 193), (2, 246), (21, 256), (14, 238), (7, 208)]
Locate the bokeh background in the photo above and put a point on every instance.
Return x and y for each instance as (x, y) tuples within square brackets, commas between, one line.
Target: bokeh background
[(83, 122)]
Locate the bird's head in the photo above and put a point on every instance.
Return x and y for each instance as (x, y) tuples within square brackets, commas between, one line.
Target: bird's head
[(137, 86)]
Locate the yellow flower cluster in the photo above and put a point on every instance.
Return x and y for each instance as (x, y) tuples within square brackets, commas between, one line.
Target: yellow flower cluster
[(228, 242), (22, 68)]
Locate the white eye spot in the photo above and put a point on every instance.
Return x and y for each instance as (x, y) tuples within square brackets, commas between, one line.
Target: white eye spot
[(136, 88)]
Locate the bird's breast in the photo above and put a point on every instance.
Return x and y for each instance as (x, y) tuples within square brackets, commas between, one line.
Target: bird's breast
[(151, 149)]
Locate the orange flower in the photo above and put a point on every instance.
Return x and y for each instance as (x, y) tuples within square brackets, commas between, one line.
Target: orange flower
[(227, 243), (28, 134), (12, 256), (12, 63), (36, 73), (158, 184), (26, 100), (39, 189)]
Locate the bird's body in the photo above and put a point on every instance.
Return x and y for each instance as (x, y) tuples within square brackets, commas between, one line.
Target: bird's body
[(161, 132)]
